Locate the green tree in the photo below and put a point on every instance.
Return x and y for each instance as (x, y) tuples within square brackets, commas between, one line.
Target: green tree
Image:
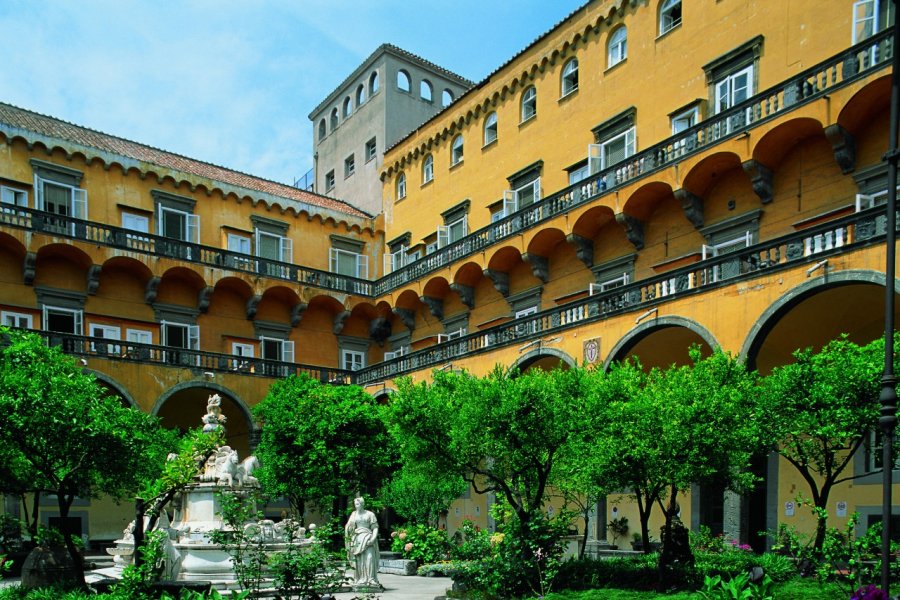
[(321, 443), (822, 408), (64, 435), (420, 493)]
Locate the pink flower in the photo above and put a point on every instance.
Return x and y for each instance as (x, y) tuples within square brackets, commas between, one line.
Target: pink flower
[(393, 534), (408, 547), (402, 535)]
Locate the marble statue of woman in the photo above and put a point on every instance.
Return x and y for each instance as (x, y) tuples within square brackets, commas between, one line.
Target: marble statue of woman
[(361, 535)]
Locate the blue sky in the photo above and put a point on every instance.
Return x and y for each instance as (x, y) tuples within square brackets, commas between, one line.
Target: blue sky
[(232, 82)]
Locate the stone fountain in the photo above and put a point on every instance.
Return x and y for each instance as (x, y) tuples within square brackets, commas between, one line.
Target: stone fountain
[(191, 554)]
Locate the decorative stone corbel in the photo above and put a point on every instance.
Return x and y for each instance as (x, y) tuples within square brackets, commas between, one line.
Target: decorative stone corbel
[(379, 330), (204, 297), (540, 265), (339, 320), (93, 279), (406, 316), (760, 178), (584, 248), (634, 229), (28, 265), (151, 289), (692, 205), (435, 306), (252, 305), (843, 144), (500, 279), (297, 313), (466, 293)]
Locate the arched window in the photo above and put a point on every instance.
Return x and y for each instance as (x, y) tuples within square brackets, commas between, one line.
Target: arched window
[(428, 169), (669, 15), (617, 49), (334, 119), (322, 129), (446, 98), (348, 107), (456, 150), (403, 82), (401, 186), (360, 95), (426, 92), (373, 82), (490, 128), (569, 78), (529, 103)]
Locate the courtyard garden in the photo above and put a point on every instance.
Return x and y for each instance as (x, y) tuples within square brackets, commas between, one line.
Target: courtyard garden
[(547, 445)]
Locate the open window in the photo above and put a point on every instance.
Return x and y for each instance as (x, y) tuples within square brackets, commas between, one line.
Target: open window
[(347, 257), (10, 198), (569, 82), (615, 141), (617, 47), (669, 15), (729, 237), (529, 103), (732, 80), (58, 192), (272, 246), (456, 224), (175, 220)]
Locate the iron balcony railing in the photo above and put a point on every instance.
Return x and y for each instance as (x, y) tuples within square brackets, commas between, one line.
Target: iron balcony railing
[(197, 360), (835, 72), (810, 244), (155, 245), (840, 70)]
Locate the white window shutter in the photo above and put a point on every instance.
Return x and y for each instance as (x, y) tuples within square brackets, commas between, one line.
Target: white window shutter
[(78, 318), (443, 235), (193, 337), (465, 226), (630, 142), (865, 19), (38, 193), (79, 203), (334, 260), (287, 249), (707, 252), (193, 228), (595, 158), (510, 202), (537, 189), (287, 352), (163, 333), (388, 263), (256, 241), (362, 266)]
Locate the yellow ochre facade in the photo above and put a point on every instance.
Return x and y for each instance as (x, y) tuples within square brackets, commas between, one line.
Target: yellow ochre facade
[(645, 176)]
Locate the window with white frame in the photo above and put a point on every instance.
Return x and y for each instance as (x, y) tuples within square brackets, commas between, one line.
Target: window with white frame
[(349, 165), (529, 103), (180, 335), (175, 220), (426, 92), (240, 244), (352, 360), (733, 89), (456, 150), (731, 79), (453, 231), (242, 349), (57, 191), (404, 83), (490, 128), (725, 242), (17, 319), (136, 224), (371, 150), (273, 244), (870, 17), (63, 320), (276, 350), (685, 119), (617, 47), (348, 107), (360, 95), (428, 169), (105, 332), (401, 186), (578, 173), (611, 151), (347, 257), (11, 198), (569, 82), (137, 336), (669, 15), (397, 259)]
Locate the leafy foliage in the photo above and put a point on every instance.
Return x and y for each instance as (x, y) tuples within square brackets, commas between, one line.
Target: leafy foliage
[(420, 493), (421, 543), (320, 442)]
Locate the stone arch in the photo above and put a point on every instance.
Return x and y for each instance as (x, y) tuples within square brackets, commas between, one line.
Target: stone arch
[(536, 357), (114, 386), (651, 325)]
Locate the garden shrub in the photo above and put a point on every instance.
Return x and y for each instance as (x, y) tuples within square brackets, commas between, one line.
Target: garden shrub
[(470, 542), (421, 543), (634, 572)]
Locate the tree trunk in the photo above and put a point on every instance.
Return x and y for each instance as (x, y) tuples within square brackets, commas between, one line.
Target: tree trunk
[(644, 510), (65, 503)]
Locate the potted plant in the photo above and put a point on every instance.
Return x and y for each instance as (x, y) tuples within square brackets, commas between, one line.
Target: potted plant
[(637, 542), (618, 527)]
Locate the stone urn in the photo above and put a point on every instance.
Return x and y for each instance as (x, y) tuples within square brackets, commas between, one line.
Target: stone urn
[(49, 566)]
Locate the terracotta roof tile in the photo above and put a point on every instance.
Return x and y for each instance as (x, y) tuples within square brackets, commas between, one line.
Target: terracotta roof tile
[(49, 126)]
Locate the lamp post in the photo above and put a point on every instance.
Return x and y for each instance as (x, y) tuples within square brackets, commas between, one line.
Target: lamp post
[(888, 397)]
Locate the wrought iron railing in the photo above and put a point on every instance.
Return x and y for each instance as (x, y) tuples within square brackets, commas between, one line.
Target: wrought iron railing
[(810, 244), (837, 71)]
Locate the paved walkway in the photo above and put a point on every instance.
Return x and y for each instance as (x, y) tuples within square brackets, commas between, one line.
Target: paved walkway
[(406, 587)]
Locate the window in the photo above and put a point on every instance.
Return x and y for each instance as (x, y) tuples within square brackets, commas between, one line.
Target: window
[(524, 190), (456, 150), (242, 350), (322, 130), (578, 173), (348, 107), (734, 89), (446, 98), (352, 360), (396, 259), (371, 150), (373, 83), (617, 50), (277, 350), (613, 150), (426, 92), (57, 191), (490, 128), (529, 103), (404, 83), (240, 244), (15, 319), (360, 95), (272, 244), (105, 332), (428, 169), (63, 320), (685, 120), (569, 79), (12, 197), (726, 237), (347, 262), (137, 336), (669, 15), (401, 186), (349, 166), (132, 222), (334, 119), (451, 232), (175, 220), (870, 17), (874, 452), (329, 180), (180, 335)]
